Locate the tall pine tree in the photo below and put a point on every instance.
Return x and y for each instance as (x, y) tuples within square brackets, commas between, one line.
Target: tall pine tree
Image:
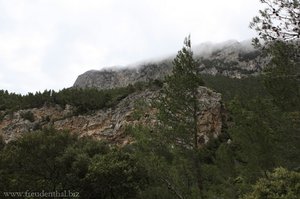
[(180, 107), (179, 111)]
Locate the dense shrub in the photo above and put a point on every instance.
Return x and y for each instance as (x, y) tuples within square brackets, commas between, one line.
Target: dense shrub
[(84, 100), (28, 115), (53, 160)]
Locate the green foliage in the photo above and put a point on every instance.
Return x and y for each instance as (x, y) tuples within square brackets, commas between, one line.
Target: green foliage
[(179, 106), (166, 161), (28, 115), (2, 115), (84, 100), (263, 137), (218, 169), (9, 100), (114, 175), (178, 113), (282, 76), (170, 152), (140, 109), (29, 162), (2, 143), (280, 184), (55, 161), (244, 89), (255, 134), (171, 174)]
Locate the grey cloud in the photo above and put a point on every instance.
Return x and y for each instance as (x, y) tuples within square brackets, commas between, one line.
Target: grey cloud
[(75, 36)]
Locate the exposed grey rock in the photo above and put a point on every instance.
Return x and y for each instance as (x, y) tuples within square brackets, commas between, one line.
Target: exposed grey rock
[(110, 124), (211, 114), (107, 79), (232, 59)]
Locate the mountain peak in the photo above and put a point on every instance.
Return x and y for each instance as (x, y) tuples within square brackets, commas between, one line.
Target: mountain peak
[(230, 58)]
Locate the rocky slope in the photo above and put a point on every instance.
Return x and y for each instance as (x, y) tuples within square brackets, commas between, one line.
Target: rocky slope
[(109, 78), (232, 58), (110, 124)]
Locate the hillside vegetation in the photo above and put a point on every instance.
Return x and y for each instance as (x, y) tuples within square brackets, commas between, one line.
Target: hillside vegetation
[(258, 136), (255, 156)]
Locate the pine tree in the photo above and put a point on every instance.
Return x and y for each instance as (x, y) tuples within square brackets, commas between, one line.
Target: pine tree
[(179, 111), (280, 20), (179, 107), (280, 184), (282, 76)]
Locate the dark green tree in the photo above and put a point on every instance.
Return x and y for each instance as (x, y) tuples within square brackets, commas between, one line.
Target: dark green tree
[(179, 110), (179, 105), (114, 175), (52, 160), (280, 184), (282, 75), (263, 138), (278, 25), (2, 142), (255, 132), (170, 150)]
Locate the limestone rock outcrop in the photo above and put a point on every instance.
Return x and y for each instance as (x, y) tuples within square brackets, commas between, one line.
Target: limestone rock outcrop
[(232, 59), (110, 124), (110, 78)]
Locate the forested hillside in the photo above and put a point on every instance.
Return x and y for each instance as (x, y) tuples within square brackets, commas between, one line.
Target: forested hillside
[(252, 150)]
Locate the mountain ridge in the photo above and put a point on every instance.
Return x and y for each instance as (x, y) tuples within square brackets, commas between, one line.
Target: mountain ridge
[(231, 58)]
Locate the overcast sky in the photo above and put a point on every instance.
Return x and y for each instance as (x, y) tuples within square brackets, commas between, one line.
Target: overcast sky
[(46, 44)]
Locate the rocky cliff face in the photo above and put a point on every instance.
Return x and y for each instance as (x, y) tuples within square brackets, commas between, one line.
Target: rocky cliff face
[(110, 124), (231, 59), (108, 78)]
